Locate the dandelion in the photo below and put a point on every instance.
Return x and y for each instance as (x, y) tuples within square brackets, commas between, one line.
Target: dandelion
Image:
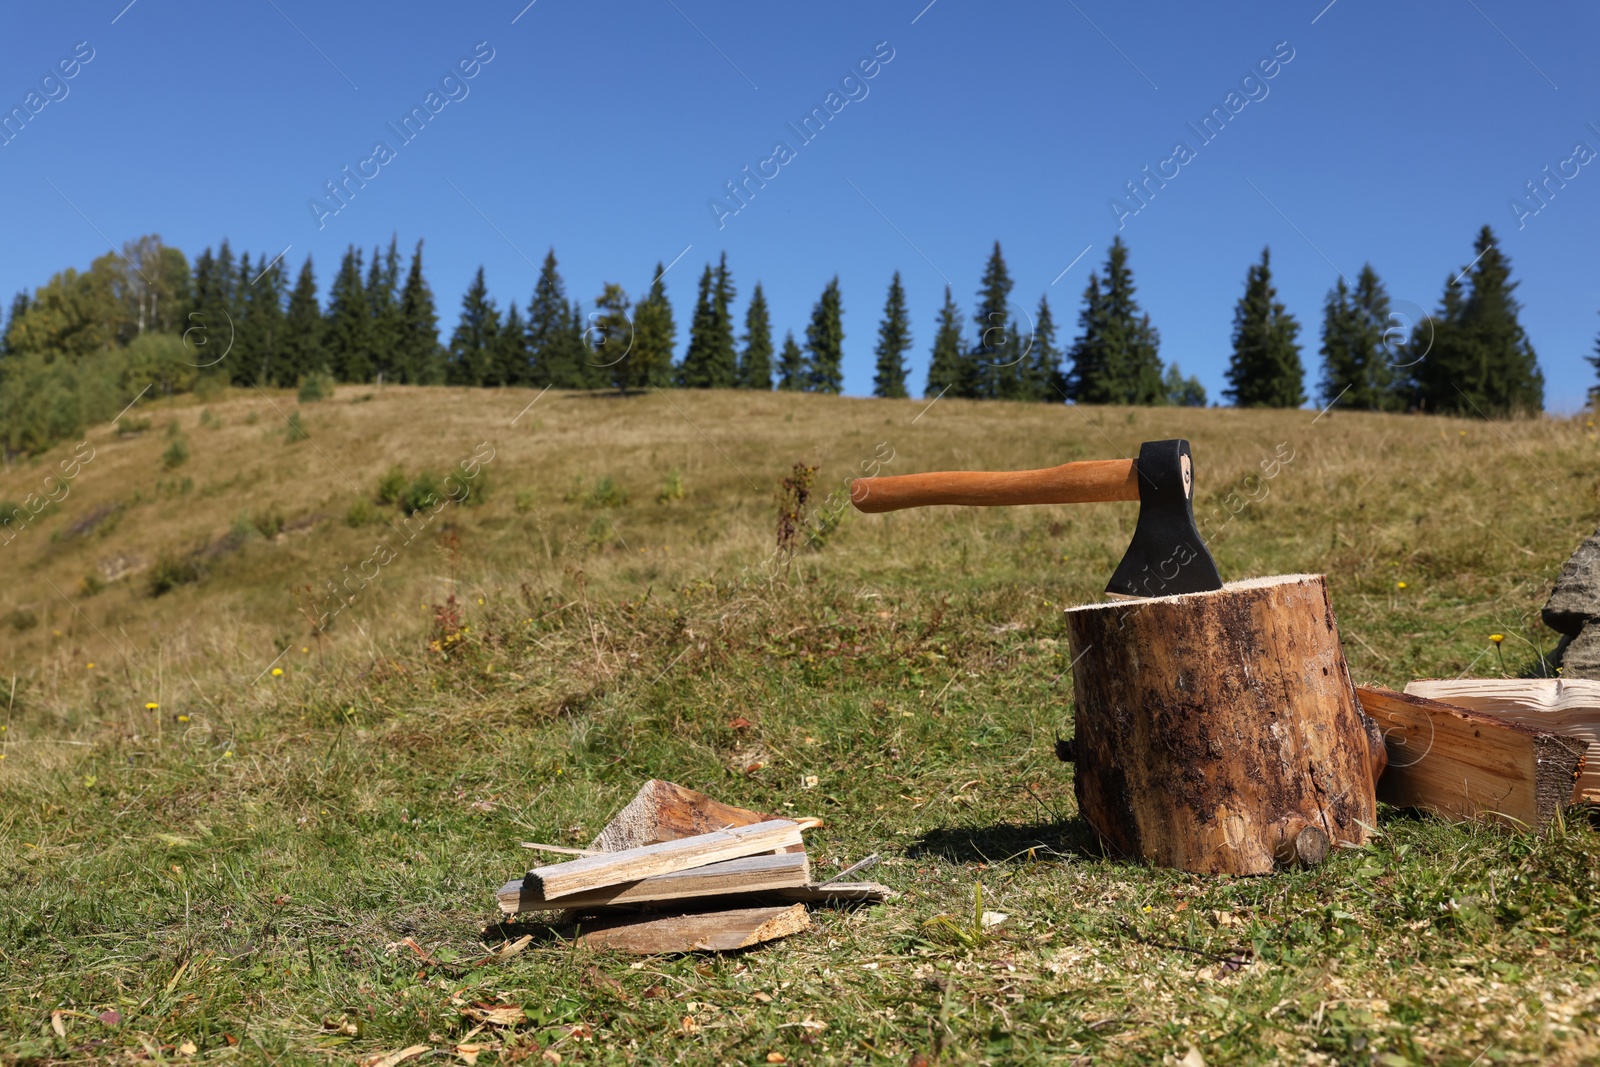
[(303, 648), (1463, 433), (1497, 638), (228, 754), (277, 672), (90, 667), (152, 706), (480, 601), (1399, 585), (183, 718)]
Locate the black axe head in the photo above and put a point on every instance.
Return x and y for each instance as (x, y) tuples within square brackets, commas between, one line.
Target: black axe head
[(1166, 555)]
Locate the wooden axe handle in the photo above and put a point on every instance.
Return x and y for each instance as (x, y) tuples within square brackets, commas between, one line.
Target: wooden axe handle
[(1071, 483)]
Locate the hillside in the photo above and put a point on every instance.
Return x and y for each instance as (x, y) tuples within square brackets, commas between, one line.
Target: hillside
[(198, 784)]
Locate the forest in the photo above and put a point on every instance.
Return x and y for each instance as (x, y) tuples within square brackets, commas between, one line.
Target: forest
[(145, 319)]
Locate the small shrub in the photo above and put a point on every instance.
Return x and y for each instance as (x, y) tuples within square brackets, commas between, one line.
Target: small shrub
[(21, 619), (602, 532), (252, 418), (268, 523), (209, 420), (176, 455), (526, 501), (132, 427), (173, 429), (169, 572), (793, 493), (297, 429), (314, 387), (391, 487), (208, 387), (672, 489), (90, 584), (9, 514), (469, 492), (361, 513), (242, 530), (607, 494), (423, 492)]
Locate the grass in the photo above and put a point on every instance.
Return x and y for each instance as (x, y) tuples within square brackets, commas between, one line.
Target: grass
[(291, 856)]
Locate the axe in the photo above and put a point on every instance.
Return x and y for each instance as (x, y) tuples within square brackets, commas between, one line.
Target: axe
[(1166, 555)]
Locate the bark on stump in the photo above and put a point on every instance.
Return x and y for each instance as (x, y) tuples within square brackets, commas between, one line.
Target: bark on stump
[(1219, 732)]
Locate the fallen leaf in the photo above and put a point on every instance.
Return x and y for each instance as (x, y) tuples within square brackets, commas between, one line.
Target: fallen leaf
[(469, 1053), (688, 1025), (808, 1023), (58, 1023), (341, 1024), (994, 918), (230, 1039), (111, 1017), (919, 1059), (495, 1014), (188, 1048), (765, 998), (754, 767), (777, 1057), (551, 1056), (393, 1058), (738, 722), (509, 950), (1192, 1058)]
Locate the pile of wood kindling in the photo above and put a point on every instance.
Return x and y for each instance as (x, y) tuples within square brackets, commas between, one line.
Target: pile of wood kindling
[(676, 871)]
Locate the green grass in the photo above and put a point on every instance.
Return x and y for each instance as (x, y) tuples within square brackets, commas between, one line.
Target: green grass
[(241, 866)]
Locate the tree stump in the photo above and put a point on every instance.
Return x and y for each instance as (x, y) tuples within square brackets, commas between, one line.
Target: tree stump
[(1219, 732)]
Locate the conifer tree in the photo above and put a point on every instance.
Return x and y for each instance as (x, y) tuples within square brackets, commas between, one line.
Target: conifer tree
[(791, 365), (476, 339), (755, 362), (509, 363), (243, 360), (1116, 355), (1043, 376), (946, 366), (347, 337), (418, 360), (1593, 361), (654, 334), (1480, 361), (19, 308), (991, 365), (1265, 370), (1180, 391), (1092, 379), (383, 297), (1356, 368), (264, 324), (711, 361), (894, 341), (825, 343), (555, 341), (302, 330), (611, 338)]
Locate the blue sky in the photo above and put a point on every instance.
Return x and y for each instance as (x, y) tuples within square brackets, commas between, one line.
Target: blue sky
[(605, 129)]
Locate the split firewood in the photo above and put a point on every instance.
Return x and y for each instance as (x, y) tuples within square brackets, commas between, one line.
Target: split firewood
[(634, 864), (665, 811), (716, 931), (1570, 708), (1467, 765), (780, 870)]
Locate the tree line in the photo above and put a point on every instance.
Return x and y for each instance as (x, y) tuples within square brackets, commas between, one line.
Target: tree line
[(76, 348)]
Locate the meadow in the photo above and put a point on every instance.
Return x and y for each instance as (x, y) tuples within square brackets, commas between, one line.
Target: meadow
[(268, 749)]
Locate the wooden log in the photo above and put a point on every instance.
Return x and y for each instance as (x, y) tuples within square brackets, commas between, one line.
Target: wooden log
[(715, 931), (1214, 728), (665, 811), (1567, 707), (781, 870), (631, 865), (1466, 765)]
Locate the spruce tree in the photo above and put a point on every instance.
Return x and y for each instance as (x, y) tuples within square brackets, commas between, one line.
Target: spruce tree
[(989, 369), (654, 334), (1480, 360), (509, 363), (755, 362), (243, 361), (1180, 391), (476, 339), (611, 338), (264, 324), (347, 337), (825, 343), (1042, 376), (1356, 368), (1092, 380), (1265, 370), (302, 330), (791, 365), (711, 361), (383, 297), (554, 340), (894, 341), (418, 360), (1132, 343), (946, 366)]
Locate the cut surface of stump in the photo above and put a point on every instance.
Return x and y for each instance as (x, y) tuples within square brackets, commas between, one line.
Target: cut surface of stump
[(1214, 729)]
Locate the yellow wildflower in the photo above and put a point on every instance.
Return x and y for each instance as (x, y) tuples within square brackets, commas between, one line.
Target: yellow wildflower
[(151, 706), (277, 672), (1497, 638)]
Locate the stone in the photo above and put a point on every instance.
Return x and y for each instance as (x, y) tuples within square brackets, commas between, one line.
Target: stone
[(1576, 597), (1581, 657)]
